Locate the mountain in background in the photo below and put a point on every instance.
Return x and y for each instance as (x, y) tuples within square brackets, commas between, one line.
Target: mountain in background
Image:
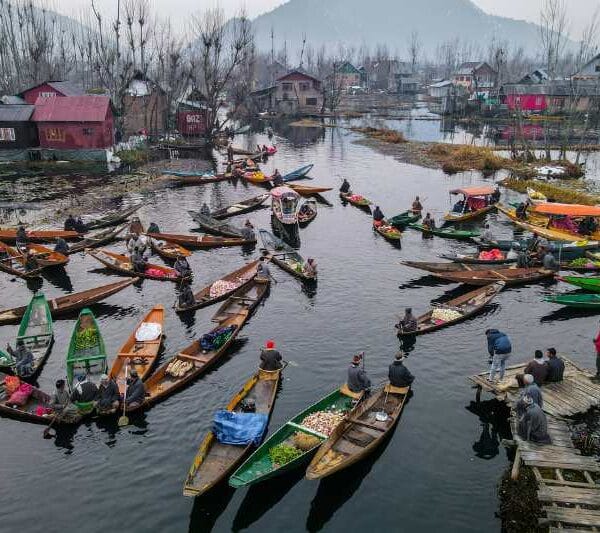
[(390, 22)]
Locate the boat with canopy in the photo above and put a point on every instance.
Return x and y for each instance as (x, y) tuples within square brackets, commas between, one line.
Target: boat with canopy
[(284, 205), (475, 202)]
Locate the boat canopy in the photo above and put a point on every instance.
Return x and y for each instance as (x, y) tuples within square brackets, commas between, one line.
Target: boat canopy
[(474, 191), (283, 192), (574, 210)]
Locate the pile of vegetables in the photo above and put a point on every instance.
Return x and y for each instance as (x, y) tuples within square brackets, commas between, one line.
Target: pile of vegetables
[(221, 287), (323, 422), (86, 338), (583, 262), (445, 314), (178, 368), (305, 442), (282, 454)]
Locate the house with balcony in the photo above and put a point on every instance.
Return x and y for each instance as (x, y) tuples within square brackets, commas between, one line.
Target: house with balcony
[(478, 78), (298, 93)]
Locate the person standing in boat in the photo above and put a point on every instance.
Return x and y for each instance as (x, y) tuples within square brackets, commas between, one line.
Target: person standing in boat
[(378, 217), (408, 324), (358, 381), (345, 188), (398, 374), (136, 391), (248, 231), (22, 239), (108, 397), (270, 358), (182, 267), (277, 178), (61, 246), (136, 226), (230, 153), (23, 358), (417, 207)]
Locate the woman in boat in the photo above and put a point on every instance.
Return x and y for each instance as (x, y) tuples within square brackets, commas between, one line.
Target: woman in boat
[(23, 358), (186, 296), (398, 374), (378, 217), (248, 231), (358, 381), (136, 391), (108, 397), (408, 324), (182, 267), (417, 207), (345, 188), (85, 391), (310, 268), (61, 246), (270, 358)]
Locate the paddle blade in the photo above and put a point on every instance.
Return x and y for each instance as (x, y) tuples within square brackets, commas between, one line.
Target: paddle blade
[(48, 433), (123, 421)]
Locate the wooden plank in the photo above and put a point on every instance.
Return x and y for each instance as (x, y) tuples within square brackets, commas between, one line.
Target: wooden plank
[(584, 517), (514, 474), (565, 465), (571, 495)]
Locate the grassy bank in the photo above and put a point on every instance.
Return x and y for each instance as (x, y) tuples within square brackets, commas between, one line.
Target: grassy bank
[(383, 135), (558, 193)]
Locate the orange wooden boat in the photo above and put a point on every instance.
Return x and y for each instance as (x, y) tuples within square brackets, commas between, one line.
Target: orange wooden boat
[(121, 263), (169, 250), (10, 235), (14, 262), (200, 241), (305, 190), (139, 355), (47, 257)]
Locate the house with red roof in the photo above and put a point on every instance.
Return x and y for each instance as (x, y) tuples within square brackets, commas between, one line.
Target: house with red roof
[(48, 89)]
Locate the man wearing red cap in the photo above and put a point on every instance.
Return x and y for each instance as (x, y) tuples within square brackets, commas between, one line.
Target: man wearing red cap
[(358, 380), (270, 358)]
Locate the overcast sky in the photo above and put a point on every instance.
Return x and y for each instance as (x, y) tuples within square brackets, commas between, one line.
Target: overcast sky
[(178, 10)]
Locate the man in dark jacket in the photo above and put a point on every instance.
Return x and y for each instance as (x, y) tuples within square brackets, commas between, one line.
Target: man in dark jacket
[(538, 368), (136, 391), (108, 398), (556, 366), (70, 223), (533, 425), (84, 391), (358, 380), (345, 188), (499, 348), (398, 374), (270, 358)]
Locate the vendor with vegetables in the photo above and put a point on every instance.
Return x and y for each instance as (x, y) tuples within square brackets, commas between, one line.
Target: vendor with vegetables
[(186, 295), (23, 358), (345, 188), (108, 398), (182, 267), (378, 217), (270, 358), (408, 324), (136, 391), (398, 374), (358, 380)]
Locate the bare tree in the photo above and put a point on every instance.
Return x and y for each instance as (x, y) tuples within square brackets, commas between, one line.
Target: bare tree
[(553, 33), (588, 45), (414, 50)]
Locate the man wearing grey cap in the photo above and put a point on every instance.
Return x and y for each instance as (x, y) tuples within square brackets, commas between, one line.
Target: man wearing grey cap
[(533, 425), (108, 395)]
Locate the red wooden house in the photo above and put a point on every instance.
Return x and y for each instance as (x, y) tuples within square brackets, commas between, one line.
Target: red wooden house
[(49, 89), (74, 122)]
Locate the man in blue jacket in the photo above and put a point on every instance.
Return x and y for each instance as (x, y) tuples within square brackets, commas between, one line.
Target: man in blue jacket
[(499, 348)]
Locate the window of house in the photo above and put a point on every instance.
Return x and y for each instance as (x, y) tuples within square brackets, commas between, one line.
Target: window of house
[(598, 68), (304, 86), (55, 134), (316, 86), (7, 134), (88, 131), (287, 86), (48, 94), (311, 101)]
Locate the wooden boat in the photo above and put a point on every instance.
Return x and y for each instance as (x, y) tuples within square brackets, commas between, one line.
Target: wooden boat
[(14, 263), (305, 190), (477, 201), (241, 207), (402, 220), (47, 257), (170, 376), (37, 333), (298, 174), (446, 233), (190, 178), (256, 177), (122, 264), (590, 265), (200, 241), (307, 212), (571, 250), (10, 235), (139, 355), (169, 250), (474, 259), (284, 205), (260, 467), (284, 256), (510, 276), (588, 283), (356, 200), (71, 302), (579, 301), (214, 226), (466, 306), (387, 231), (87, 353), (430, 266), (240, 277), (98, 239), (358, 436), (214, 461), (113, 219)]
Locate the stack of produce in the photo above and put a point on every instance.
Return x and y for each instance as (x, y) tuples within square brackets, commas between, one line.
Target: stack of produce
[(305, 442), (389, 230), (491, 255), (282, 454), (323, 422), (86, 338), (442, 314), (221, 287), (178, 368), (583, 262)]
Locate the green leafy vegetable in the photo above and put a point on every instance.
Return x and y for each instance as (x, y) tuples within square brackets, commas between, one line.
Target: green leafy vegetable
[(282, 454)]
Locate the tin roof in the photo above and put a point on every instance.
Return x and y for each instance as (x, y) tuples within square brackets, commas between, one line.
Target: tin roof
[(71, 109), (63, 87), (15, 113)]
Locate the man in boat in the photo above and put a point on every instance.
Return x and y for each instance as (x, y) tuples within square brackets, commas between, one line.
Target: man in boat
[(549, 262), (85, 391), (80, 225), (408, 324), (417, 208), (31, 262), (182, 267), (136, 391), (270, 358), (428, 224), (538, 368), (248, 231), (358, 380), (153, 228), (136, 242), (378, 217), (398, 374), (533, 425), (70, 223), (23, 358), (205, 210), (495, 196), (230, 153), (138, 262), (487, 234), (262, 269), (277, 178), (521, 211), (345, 188), (310, 268), (108, 398), (136, 226), (60, 398), (498, 344), (22, 238), (61, 246), (556, 366), (459, 206), (186, 295)]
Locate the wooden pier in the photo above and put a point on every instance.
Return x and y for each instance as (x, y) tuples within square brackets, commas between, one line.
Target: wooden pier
[(568, 482)]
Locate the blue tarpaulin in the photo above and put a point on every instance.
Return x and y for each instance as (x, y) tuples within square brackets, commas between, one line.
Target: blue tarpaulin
[(239, 428)]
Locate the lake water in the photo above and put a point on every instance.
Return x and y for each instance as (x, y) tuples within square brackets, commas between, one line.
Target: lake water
[(439, 470)]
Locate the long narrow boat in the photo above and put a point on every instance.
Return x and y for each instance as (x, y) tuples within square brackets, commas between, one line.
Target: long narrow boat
[(259, 178), (200, 241), (358, 436), (241, 207), (588, 283), (388, 232), (212, 293), (47, 257), (113, 219), (356, 200), (307, 213), (140, 354), (298, 174), (71, 302), (402, 220), (98, 239), (169, 250), (122, 264), (477, 201), (446, 233), (474, 259), (86, 353), (462, 308), (214, 226), (570, 250), (194, 360), (182, 178), (510, 276), (10, 235), (284, 256), (14, 263), (431, 266), (37, 334), (214, 460), (259, 466), (578, 301), (306, 190)]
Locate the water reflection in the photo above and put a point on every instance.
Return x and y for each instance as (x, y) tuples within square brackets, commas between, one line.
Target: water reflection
[(209, 507), (493, 417), (58, 277)]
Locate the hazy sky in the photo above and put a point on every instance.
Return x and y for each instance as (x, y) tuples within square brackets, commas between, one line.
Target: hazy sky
[(579, 10)]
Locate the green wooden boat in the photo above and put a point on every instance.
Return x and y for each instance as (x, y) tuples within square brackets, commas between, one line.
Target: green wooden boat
[(259, 467), (37, 333), (588, 283), (580, 301), (87, 352), (403, 219), (446, 233)]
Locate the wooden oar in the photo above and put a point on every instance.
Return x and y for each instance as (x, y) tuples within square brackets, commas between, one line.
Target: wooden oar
[(124, 420)]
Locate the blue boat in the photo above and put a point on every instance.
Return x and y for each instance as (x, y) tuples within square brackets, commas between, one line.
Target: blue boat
[(298, 174)]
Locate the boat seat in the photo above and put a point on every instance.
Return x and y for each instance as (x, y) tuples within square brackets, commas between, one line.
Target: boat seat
[(268, 375), (390, 389), (347, 392), (196, 358)]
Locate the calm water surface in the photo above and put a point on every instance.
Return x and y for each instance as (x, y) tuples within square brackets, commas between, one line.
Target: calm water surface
[(430, 476)]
